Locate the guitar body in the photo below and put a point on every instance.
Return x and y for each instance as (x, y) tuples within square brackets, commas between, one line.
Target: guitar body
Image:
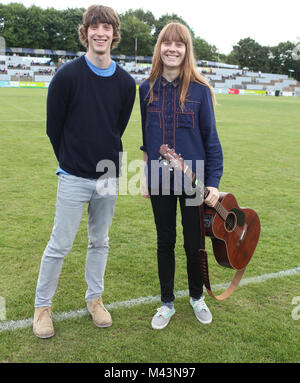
[(234, 231), (233, 240)]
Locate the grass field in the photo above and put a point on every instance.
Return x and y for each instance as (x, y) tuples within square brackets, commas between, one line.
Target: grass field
[(260, 138)]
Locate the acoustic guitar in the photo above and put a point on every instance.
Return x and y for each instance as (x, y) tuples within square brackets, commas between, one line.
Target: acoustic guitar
[(233, 230)]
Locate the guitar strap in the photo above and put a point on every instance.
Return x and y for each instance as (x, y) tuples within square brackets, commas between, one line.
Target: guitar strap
[(204, 266)]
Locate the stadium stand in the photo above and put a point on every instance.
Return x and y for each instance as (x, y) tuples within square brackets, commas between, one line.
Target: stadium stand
[(26, 68), (241, 79), (224, 79)]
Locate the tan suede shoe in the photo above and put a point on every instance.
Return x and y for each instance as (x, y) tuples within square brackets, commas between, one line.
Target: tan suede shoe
[(101, 317), (42, 322)]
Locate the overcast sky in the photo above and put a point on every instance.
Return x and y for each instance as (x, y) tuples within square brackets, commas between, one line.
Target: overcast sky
[(220, 22)]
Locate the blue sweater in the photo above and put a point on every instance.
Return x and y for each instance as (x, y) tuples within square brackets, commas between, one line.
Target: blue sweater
[(87, 115), (191, 132)]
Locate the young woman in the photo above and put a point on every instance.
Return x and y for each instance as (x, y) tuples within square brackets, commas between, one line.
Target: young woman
[(177, 109)]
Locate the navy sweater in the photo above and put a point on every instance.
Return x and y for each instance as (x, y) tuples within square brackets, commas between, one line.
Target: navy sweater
[(87, 115)]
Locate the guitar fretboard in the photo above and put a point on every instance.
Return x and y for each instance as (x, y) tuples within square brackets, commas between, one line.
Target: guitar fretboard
[(192, 177)]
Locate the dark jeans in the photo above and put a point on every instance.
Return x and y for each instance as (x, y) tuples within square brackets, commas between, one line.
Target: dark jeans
[(164, 209)]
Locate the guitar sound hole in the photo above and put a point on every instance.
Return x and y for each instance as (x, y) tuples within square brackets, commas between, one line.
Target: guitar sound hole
[(230, 222)]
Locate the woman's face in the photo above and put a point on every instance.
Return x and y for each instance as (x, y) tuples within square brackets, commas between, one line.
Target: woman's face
[(172, 54)]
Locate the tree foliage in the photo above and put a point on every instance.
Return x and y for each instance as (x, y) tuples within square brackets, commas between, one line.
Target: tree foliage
[(205, 51), (135, 31), (54, 29), (279, 59)]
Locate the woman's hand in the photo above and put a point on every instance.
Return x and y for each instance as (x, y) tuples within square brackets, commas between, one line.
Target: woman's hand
[(212, 197), (144, 188)]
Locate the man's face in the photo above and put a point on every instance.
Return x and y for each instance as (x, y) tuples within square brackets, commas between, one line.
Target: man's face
[(100, 37)]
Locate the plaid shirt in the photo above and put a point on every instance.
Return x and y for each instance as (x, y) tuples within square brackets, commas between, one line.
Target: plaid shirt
[(191, 132)]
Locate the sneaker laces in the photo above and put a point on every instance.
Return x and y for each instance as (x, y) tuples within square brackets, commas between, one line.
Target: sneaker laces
[(163, 310), (200, 305)]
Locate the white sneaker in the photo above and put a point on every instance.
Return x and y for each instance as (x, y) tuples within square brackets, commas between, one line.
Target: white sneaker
[(162, 317), (201, 310)]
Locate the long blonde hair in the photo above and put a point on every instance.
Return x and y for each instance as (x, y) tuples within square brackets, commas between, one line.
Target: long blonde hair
[(177, 32)]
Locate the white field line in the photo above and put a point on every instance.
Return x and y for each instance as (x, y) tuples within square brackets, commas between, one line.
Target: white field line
[(24, 323), (18, 108)]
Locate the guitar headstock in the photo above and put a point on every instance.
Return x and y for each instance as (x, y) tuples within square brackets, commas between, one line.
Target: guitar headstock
[(172, 157)]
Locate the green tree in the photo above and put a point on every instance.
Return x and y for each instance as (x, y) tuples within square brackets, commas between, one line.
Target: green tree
[(72, 18), (282, 59), (165, 19), (145, 16), (132, 30), (231, 58), (13, 24), (54, 25), (251, 54), (35, 35), (205, 51)]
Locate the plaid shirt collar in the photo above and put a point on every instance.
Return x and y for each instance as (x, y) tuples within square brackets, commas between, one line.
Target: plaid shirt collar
[(165, 82)]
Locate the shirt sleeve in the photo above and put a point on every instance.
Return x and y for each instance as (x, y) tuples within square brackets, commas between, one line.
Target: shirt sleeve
[(143, 110), (213, 151), (127, 107), (57, 107)]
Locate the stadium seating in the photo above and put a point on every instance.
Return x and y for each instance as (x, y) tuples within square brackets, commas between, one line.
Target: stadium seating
[(41, 70), (26, 68), (224, 78)]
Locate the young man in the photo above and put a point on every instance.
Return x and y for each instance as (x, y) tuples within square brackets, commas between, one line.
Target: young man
[(88, 107)]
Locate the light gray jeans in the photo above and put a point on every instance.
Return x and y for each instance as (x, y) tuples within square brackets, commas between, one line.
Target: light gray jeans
[(73, 193)]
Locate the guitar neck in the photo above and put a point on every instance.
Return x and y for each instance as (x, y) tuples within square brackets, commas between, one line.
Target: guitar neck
[(197, 183)]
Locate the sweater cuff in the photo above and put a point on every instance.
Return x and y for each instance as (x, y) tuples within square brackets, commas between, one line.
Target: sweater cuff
[(214, 182)]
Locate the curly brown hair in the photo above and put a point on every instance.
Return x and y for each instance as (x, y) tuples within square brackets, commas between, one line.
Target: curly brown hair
[(99, 14)]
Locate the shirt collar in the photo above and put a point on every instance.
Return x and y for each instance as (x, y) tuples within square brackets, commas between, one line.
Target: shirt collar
[(165, 82)]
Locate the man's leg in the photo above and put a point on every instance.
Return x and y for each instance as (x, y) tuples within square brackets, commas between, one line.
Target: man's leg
[(101, 211), (72, 194)]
